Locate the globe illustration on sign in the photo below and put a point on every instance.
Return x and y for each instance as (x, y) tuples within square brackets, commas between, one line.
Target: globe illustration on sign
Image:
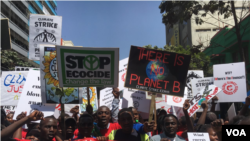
[(156, 70), (201, 100)]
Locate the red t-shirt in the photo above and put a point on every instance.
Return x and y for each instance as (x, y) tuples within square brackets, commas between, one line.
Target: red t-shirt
[(180, 133), (24, 133), (105, 132)]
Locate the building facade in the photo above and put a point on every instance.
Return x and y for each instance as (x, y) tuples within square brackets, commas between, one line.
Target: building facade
[(189, 33), (18, 14)]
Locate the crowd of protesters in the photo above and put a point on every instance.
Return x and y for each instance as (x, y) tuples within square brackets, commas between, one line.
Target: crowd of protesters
[(121, 125)]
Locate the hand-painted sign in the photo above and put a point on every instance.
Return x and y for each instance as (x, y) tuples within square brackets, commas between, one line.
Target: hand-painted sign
[(206, 93), (52, 93), (43, 29), (192, 74), (122, 72), (9, 109), (81, 67), (177, 101), (231, 79), (93, 99), (157, 71), (12, 83)]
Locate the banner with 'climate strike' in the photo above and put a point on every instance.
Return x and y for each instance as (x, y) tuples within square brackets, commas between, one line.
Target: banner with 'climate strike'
[(157, 71)]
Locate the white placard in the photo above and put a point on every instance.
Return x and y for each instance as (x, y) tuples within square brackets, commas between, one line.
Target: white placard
[(232, 80), (12, 84), (122, 72), (231, 112), (43, 29), (163, 104), (17, 68), (107, 97), (192, 74), (31, 97), (206, 93), (9, 109), (198, 136), (177, 101), (136, 99), (67, 108)]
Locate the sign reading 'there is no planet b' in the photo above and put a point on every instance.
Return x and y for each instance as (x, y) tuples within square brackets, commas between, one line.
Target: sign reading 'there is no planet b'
[(82, 67), (157, 71)]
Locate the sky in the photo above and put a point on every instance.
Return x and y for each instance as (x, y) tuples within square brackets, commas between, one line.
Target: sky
[(112, 24)]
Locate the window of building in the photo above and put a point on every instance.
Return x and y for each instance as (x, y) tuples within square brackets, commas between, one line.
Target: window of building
[(21, 7), (16, 38), (216, 29), (203, 30)]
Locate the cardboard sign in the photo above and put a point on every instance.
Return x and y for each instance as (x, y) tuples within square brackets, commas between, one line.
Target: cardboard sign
[(136, 99), (31, 97), (5, 35), (22, 68), (43, 29), (93, 99), (81, 67), (206, 93), (157, 96), (231, 112), (52, 93), (198, 136), (12, 83), (232, 80), (177, 101), (192, 74), (157, 71), (122, 72), (9, 109)]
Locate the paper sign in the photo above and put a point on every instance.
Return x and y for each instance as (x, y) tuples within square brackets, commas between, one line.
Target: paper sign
[(177, 101), (52, 93), (31, 97), (22, 68), (9, 109), (12, 83), (206, 93), (198, 136), (231, 112), (136, 99), (93, 99), (67, 108), (192, 74), (232, 80), (43, 29), (107, 97), (84, 66), (122, 72), (157, 71)]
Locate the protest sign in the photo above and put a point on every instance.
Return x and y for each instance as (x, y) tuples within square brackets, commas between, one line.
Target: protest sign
[(106, 98), (232, 80), (122, 72), (67, 108), (206, 93), (43, 29), (231, 112), (81, 67), (136, 99), (192, 74), (31, 97), (200, 83), (196, 136), (157, 71), (93, 99), (12, 83), (17, 68), (157, 96), (52, 93), (177, 101), (5, 32), (9, 109)]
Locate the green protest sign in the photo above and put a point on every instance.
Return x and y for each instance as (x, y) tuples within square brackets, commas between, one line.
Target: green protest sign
[(84, 66)]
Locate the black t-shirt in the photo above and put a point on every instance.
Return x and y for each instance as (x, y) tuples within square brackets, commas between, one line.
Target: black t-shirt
[(134, 136)]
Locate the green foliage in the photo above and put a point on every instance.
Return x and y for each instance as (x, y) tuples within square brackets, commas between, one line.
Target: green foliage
[(199, 61), (10, 59), (69, 91)]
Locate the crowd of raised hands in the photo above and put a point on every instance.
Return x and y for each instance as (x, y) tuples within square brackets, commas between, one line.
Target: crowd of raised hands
[(124, 125)]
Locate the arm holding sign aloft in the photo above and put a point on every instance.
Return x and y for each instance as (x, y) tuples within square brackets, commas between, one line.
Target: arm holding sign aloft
[(243, 111), (36, 115), (18, 133), (186, 106), (217, 127), (204, 113), (115, 105)]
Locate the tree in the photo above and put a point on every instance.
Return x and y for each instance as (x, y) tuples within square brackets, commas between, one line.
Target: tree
[(179, 11), (199, 61), (10, 59)]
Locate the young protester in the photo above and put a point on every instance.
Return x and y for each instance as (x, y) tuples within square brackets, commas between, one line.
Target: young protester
[(70, 126), (169, 127), (33, 135), (48, 127), (212, 134), (126, 133), (9, 117), (8, 131)]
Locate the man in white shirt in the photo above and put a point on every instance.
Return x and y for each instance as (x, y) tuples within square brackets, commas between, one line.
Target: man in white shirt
[(169, 127)]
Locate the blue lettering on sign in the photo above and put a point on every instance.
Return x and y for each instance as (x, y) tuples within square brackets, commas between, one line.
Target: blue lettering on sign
[(5, 84)]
